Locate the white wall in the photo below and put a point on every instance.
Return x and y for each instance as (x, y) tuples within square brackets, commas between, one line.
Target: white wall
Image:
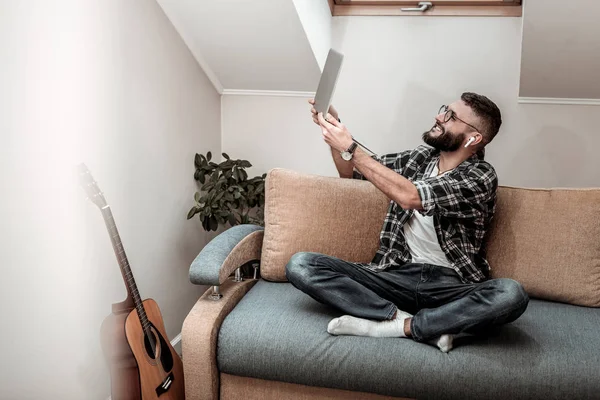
[(109, 83), (396, 74)]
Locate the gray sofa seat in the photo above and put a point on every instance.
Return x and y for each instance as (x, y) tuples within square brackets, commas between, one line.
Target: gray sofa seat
[(278, 333)]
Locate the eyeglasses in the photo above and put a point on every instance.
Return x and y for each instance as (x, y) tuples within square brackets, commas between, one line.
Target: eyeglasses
[(451, 115)]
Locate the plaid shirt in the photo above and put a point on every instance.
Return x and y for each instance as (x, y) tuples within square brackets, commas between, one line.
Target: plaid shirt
[(462, 203)]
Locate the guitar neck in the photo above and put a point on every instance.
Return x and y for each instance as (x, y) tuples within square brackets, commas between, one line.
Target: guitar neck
[(128, 278)]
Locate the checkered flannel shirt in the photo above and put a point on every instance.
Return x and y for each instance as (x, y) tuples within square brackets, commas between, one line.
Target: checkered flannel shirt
[(462, 203)]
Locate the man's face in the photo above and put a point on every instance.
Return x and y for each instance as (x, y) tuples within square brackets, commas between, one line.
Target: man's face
[(449, 136)]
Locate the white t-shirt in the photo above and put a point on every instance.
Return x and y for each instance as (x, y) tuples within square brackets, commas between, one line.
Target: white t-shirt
[(422, 240)]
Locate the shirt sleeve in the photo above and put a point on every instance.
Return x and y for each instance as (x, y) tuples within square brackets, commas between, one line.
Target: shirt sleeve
[(464, 195), (394, 161)]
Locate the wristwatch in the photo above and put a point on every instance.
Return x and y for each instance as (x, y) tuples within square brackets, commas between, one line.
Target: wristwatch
[(347, 155)]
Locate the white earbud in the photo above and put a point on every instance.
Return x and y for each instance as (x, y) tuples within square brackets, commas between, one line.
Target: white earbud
[(469, 141)]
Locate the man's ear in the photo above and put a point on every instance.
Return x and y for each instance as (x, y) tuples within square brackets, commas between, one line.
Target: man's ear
[(478, 138)]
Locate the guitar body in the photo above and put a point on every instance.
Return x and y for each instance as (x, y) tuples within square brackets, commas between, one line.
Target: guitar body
[(160, 368)]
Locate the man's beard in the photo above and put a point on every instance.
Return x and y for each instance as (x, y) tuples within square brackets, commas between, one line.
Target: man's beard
[(445, 141)]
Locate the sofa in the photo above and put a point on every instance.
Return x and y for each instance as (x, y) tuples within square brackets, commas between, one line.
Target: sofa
[(261, 338)]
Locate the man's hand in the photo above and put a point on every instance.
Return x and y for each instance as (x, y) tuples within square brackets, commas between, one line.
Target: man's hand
[(332, 111), (335, 133)]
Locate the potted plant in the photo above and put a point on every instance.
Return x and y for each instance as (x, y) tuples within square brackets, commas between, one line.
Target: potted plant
[(227, 195)]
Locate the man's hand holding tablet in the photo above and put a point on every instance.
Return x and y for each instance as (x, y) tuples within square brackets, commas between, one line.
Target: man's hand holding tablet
[(313, 111)]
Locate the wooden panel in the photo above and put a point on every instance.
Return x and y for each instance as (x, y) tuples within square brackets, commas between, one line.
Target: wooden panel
[(435, 2), (472, 11)]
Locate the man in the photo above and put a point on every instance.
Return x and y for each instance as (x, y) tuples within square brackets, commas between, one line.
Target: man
[(429, 279)]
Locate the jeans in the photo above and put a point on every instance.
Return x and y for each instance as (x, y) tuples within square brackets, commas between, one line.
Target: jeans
[(440, 301)]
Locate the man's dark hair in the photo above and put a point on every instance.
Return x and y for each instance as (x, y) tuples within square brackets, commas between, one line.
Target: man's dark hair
[(487, 111)]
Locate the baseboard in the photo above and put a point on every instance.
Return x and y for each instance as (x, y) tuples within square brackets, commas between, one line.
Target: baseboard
[(275, 93), (555, 100), (176, 343)]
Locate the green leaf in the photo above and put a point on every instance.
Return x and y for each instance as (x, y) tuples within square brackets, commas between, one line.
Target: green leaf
[(237, 195), (208, 156), (197, 160), (245, 164), (192, 212), (197, 197), (201, 177), (225, 155), (213, 223), (231, 219), (244, 175)]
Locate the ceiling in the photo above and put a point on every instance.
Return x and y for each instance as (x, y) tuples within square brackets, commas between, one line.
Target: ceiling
[(281, 45), (247, 45)]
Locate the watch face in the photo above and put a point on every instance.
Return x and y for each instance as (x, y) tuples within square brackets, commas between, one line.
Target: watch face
[(346, 156)]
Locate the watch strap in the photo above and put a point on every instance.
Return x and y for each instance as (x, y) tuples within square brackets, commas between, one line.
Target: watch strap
[(352, 147)]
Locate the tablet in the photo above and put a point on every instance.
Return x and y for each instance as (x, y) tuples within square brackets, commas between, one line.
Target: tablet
[(329, 77)]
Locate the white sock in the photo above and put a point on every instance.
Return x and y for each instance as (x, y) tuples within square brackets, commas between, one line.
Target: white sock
[(349, 325), (444, 343)]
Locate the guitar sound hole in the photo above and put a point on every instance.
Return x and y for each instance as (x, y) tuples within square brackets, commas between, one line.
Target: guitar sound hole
[(150, 344), (166, 358)]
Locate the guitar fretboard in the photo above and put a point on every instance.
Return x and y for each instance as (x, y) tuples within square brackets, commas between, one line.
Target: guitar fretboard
[(115, 239)]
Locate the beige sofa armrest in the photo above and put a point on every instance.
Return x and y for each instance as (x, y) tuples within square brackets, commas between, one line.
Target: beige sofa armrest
[(225, 253), (199, 339)]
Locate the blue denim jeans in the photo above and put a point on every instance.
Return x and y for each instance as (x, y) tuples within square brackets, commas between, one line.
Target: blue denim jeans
[(440, 302)]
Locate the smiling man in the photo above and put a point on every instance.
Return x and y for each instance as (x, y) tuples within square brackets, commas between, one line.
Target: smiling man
[(429, 280)]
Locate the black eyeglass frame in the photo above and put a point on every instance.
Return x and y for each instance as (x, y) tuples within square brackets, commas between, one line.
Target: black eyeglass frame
[(450, 114)]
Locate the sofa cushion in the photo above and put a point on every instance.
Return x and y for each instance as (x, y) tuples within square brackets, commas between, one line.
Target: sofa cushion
[(549, 241), (337, 217), (278, 333), (546, 239)]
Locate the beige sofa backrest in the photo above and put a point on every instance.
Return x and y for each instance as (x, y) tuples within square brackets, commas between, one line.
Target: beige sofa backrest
[(338, 217), (549, 240)]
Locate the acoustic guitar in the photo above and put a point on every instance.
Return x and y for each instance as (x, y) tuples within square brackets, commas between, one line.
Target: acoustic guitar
[(159, 368)]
